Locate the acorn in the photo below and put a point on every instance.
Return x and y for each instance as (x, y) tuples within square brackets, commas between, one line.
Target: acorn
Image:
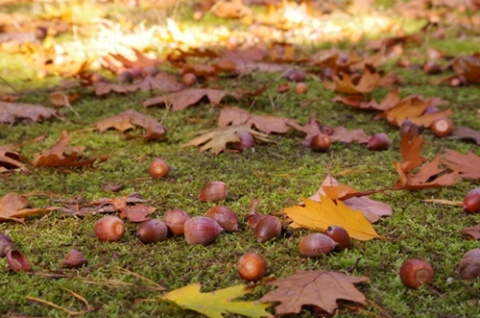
[(213, 191), (252, 266), (109, 228), (408, 127), (175, 220), (416, 272), (246, 141), (152, 231), (296, 75), (201, 230), (268, 228), (471, 202), (17, 261), (320, 142), (442, 127), (301, 88), (470, 265), (225, 217), (339, 235), (159, 168), (6, 244), (316, 245), (74, 259), (125, 76), (379, 141), (189, 79)]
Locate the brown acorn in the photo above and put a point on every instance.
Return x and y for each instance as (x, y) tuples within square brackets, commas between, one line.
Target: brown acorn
[(246, 141), (316, 245), (152, 231), (416, 272), (201, 230), (189, 79), (109, 228), (339, 235), (470, 265), (213, 191), (296, 75), (252, 266), (320, 142), (159, 168), (225, 217), (471, 202), (6, 244), (379, 141), (175, 220), (17, 261), (442, 127), (268, 228), (301, 88), (74, 259)]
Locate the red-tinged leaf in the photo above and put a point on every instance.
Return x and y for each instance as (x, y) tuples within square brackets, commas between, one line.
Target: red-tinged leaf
[(411, 108), (13, 207), (467, 165), (160, 82), (341, 134), (350, 100), (388, 102), (318, 288), (136, 213), (11, 113), (410, 148), (472, 231), (187, 97), (131, 118), (429, 176), (10, 160), (465, 133), (344, 83), (266, 124)]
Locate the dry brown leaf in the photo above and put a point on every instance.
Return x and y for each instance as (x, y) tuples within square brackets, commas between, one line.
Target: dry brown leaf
[(318, 288), (341, 134), (13, 207), (13, 112), (465, 133), (129, 119), (118, 62), (187, 97), (61, 155), (161, 82), (137, 213), (236, 116), (216, 140), (79, 207), (10, 160), (410, 148), (467, 165), (344, 83), (472, 231)]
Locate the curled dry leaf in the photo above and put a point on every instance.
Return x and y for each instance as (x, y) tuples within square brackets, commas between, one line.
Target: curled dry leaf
[(465, 133), (467, 165), (129, 119), (61, 155), (10, 160), (13, 112), (319, 288), (13, 207), (216, 139), (160, 82), (344, 83)]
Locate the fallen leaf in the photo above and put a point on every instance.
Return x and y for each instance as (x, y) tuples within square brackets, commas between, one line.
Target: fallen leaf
[(118, 62), (389, 101), (79, 207), (215, 304), (341, 134), (319, 216), (60, 99), (129, 119), (472, 231), (10, 160), (467, 165), (410, 148), (267, 124), (217, 139), (187, 97), (61, 155), (136, 213), (13, 207), (465, 133), (160, 82), (13, 112), (319, 288), (344, 83)]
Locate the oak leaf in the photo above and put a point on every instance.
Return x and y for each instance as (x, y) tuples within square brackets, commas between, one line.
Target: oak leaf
[(319, 216), (216, 140), (319, 288), (468, 165), (472, 231), (187, 97), (215, 304), (465, 133), (13, 207), (410, 148), (12, 112), (267, 124), (129, 119), (10, 160), (160, 82), (118, 62), (61, 155), (344, 83)]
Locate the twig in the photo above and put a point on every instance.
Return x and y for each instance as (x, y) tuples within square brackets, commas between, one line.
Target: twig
[(9, 85), (126, 271)]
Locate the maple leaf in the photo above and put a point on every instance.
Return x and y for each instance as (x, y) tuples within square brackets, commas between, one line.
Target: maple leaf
[(215, 304), (217, 139), (344, 83), (372, 210), (128, 119), (236, 116), (319, 288), (13, 207), (61, 155), (11, 112), (161, 82), (429, 176), (319, 216), (466, 134), (187, 97), (468, 165)]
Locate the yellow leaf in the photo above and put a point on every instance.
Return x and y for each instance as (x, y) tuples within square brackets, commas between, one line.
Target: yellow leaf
[(320, 215), (216, 303)]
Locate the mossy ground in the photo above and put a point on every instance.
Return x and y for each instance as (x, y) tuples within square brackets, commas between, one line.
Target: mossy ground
[(278, 175)]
